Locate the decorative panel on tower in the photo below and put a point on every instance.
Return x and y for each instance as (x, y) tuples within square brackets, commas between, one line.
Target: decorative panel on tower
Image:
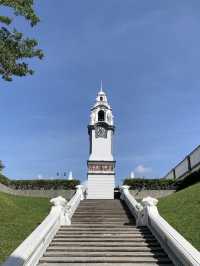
[(101, 165)]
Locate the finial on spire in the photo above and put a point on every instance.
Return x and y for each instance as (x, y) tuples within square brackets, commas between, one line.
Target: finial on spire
[(132, 175), (101, 89), (70, 176)]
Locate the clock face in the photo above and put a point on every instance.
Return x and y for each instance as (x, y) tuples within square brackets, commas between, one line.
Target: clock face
[(100, 132)]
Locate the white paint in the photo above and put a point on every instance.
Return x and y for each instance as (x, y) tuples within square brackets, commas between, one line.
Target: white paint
[(33, 247), (70, 176), (101, 104), (101, 148), (132, 175), (101, 186), (180, 251), (101, 183)]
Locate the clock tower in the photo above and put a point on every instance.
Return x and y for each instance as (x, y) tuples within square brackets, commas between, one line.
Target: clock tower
[(101, 165)]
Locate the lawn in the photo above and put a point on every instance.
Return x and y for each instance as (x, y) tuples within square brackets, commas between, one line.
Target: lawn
[(18, 218), (182, 211)]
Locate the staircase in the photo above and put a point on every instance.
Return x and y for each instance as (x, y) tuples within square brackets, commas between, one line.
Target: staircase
[(103, 232)]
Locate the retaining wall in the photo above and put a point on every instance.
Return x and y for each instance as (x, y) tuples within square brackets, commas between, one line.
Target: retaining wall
[(152, 193), (50, 193)]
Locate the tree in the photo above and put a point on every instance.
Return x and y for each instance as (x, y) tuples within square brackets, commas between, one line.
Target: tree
[(1, 166), (14, 48)]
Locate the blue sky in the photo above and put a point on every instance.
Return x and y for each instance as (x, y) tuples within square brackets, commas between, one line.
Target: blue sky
[(148, 55)]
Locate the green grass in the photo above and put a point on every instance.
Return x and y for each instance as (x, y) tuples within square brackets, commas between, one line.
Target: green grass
[(182, 211), (19, 216)]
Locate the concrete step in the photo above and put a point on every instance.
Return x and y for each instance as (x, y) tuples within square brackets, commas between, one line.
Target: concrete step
[(105, 239), (103, 232), (101, 220), (107, 215), (105, 249), (104, 244), (102, 229), (80, 225), (113, 218), (104, 254), (107, 264), (104, 236), (103, 259), (104, 222)]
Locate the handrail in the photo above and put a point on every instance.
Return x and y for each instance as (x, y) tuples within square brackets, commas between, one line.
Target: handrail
[(33, 247), (180, 251), (133, 205)]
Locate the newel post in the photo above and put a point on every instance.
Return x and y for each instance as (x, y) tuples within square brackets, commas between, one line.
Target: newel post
[(124, 190), (149, 205), (59, 208), (79, 190)]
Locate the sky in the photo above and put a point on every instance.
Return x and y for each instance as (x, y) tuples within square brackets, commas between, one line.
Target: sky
[(148, 55)]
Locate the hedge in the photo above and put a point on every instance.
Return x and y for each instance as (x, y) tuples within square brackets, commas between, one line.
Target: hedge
[(141, 183), (44, 184), (4, 180)]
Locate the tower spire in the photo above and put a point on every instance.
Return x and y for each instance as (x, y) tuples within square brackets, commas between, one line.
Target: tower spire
[(101, 89)]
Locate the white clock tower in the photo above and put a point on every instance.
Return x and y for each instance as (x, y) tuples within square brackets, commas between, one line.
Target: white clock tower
[(101, 165)]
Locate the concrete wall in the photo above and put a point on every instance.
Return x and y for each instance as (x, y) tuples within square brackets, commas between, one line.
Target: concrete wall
[(67, 194), (6, 189), (190, 164), (152, 193), (101, 186), (51, 193)]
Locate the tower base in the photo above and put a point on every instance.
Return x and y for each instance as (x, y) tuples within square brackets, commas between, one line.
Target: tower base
[(101, 186)]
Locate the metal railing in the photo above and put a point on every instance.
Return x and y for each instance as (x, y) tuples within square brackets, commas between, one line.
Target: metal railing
[(187, 165)]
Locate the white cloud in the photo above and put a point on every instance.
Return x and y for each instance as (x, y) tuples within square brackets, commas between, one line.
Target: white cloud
[(141, 169)]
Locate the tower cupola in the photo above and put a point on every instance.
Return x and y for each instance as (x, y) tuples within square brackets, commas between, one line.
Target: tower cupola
[(101, 111)]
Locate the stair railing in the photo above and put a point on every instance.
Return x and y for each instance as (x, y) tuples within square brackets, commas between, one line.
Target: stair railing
[(180, 251), (134, 206), (33, 247)]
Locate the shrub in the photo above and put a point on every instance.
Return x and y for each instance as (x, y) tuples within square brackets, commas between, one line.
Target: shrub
[(4, 180), (44, 184), (157, 184)]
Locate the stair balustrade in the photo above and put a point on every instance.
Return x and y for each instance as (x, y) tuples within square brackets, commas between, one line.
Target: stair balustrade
[(32, 248), (180, 251)]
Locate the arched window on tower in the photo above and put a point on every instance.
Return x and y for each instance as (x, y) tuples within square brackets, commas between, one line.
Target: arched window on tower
[(101, 115)]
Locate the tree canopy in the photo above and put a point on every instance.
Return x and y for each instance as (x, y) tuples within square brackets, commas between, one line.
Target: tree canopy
[(14, 47)]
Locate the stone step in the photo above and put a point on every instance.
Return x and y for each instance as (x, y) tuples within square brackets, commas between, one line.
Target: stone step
[(105, 235), (104, 222), (104, 254), (115, 229), (80, 225), (101, 220), (102, 209), (86, 215), (99, 211), (103, 216), (103, 232), (103, 259), (105, 239), (105, 249), (107, 264), (104, 244)]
